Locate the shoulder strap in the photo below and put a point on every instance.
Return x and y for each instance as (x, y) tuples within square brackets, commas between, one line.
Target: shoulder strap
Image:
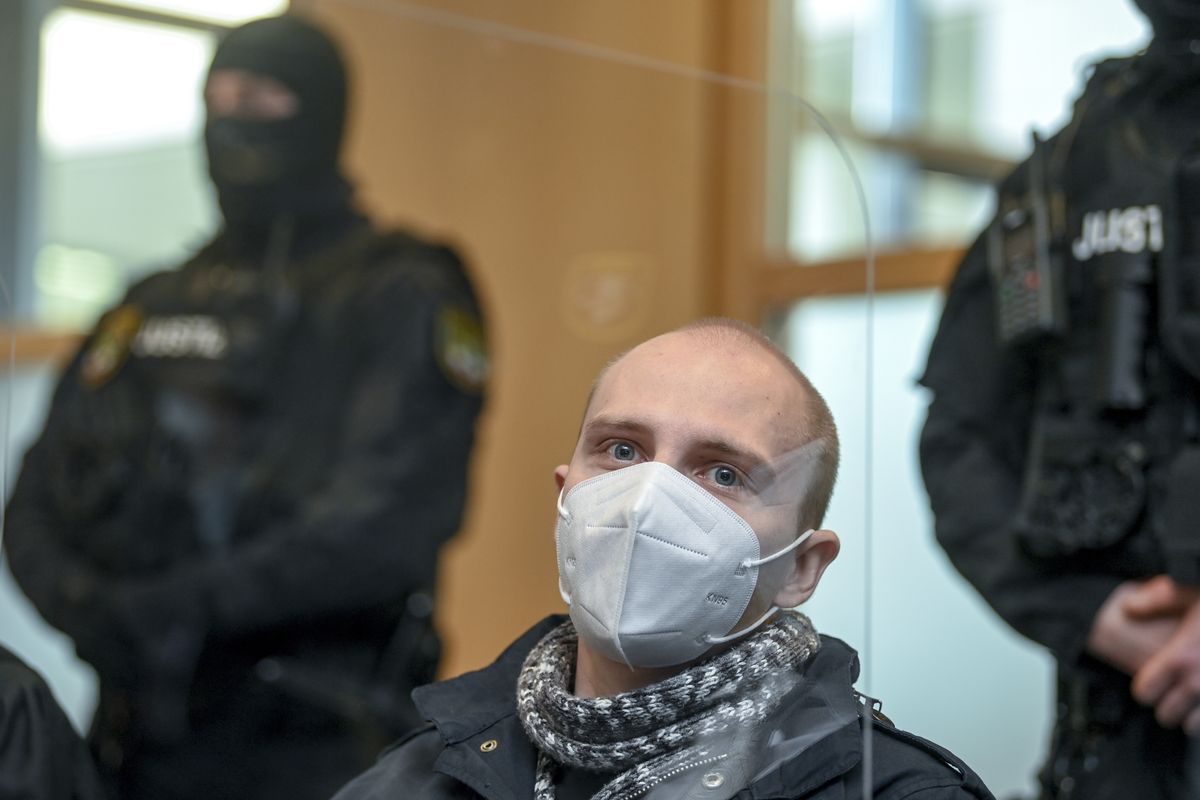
[(420, 730), (971, 782)]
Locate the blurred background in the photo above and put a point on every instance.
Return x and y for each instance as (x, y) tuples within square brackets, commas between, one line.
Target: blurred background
[(611, 169)]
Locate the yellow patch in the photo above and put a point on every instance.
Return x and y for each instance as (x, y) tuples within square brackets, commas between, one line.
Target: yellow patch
[(460, 349), (110, 345)]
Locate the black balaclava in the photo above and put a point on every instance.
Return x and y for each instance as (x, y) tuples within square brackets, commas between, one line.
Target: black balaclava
[(267, 169), (1172, 20)]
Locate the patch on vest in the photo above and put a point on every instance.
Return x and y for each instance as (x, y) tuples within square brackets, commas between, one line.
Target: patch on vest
[(182, 336), (1128, 230), (110, 346), (460, 350)]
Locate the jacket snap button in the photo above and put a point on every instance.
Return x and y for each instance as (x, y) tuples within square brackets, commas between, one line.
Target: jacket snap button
[(713, 780), (489, 746)]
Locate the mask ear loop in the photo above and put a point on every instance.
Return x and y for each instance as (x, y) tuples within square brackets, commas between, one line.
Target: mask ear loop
[(562, 512), (801, 539)]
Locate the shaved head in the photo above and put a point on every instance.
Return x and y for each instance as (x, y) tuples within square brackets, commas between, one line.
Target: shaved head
[(805, 425)]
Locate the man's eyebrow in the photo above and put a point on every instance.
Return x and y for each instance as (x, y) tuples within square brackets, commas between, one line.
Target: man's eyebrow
[(615, 424)]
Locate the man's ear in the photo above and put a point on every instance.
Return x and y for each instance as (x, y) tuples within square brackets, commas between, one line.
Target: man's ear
[(809, 561), (560, 476)]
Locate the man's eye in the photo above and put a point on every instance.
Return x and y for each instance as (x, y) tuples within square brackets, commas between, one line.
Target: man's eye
[(724, 476), (623, 451)]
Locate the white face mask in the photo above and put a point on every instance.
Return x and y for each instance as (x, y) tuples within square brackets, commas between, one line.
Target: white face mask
[(655, 569)]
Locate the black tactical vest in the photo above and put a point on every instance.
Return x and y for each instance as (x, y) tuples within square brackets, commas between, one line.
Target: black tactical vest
[(1098, 290)]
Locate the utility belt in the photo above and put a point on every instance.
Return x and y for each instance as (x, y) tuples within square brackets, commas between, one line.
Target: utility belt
[(1105, 745)]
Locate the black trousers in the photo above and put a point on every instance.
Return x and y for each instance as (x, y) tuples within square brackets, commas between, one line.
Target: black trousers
[(1106, 746)]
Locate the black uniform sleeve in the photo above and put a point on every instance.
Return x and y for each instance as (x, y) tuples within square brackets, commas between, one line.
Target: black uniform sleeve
[(46, 539), (395, 488), (41, 755), (42, 565), (972, 459)]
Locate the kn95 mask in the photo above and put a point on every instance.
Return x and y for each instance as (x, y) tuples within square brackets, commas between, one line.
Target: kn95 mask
[(655, 569)]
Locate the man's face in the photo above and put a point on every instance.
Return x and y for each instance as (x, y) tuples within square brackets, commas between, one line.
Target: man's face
[(241, 94), (725, 414)]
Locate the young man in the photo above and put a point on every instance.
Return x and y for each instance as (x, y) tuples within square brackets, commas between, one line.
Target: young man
[(687, 519)]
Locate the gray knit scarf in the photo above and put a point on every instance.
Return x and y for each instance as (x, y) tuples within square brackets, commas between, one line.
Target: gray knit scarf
[(655, 732)]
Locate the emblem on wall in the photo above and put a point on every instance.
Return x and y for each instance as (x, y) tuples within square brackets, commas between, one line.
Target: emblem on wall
[(608, 296)]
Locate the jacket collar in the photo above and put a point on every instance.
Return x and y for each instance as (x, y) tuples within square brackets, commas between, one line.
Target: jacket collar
[(812, 739), (476, 713), (463, 706)]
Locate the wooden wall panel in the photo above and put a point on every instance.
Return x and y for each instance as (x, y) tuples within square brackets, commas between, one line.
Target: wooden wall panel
[(581, 192)]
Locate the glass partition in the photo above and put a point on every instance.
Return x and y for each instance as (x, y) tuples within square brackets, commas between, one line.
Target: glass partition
[(603, 191), (942, 661), (606, 189), (937, 95)]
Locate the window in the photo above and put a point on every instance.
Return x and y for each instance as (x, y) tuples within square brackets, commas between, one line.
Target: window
[(932, 96), (122, 179), (223, 12)]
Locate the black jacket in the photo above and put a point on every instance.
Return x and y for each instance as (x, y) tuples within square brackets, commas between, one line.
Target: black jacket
[(1115, 174), (1118, 154), (41, 756), (815, 750), (244, 480)]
